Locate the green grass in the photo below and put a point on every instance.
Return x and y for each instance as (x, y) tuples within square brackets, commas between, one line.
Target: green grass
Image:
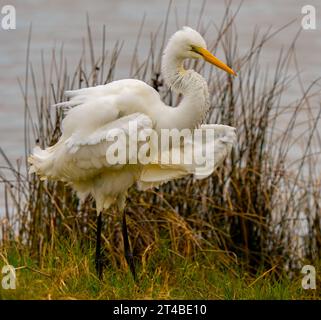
[(68, 273)]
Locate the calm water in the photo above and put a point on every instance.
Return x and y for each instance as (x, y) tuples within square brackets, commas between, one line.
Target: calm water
[(61, 21)]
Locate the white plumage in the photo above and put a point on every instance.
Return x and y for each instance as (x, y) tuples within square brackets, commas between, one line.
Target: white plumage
[(79, 157)]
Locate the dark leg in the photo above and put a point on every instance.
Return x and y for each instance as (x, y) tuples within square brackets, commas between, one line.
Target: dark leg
[(98, 260), (128, 254)]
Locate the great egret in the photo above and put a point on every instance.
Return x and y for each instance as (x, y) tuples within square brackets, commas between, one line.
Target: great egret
[(79, 157)]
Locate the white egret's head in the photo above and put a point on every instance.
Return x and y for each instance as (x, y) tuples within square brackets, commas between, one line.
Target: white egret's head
[(189, 44)]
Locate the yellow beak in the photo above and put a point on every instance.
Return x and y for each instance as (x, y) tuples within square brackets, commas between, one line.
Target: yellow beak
[(213, 60)]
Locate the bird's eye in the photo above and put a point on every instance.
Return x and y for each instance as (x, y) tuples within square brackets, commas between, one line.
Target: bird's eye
[(194, 50)]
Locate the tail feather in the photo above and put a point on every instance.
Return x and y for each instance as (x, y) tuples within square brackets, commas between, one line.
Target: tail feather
[(41, 162)]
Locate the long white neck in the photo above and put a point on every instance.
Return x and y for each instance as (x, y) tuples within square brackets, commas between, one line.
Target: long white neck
[(192, 110)]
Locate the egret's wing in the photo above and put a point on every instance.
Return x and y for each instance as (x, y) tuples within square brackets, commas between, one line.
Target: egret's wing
[(224, 139), (91, 108), (124, 89), (80, 157), (121, 125), (157, 173), (93, 151), (89, 116)]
